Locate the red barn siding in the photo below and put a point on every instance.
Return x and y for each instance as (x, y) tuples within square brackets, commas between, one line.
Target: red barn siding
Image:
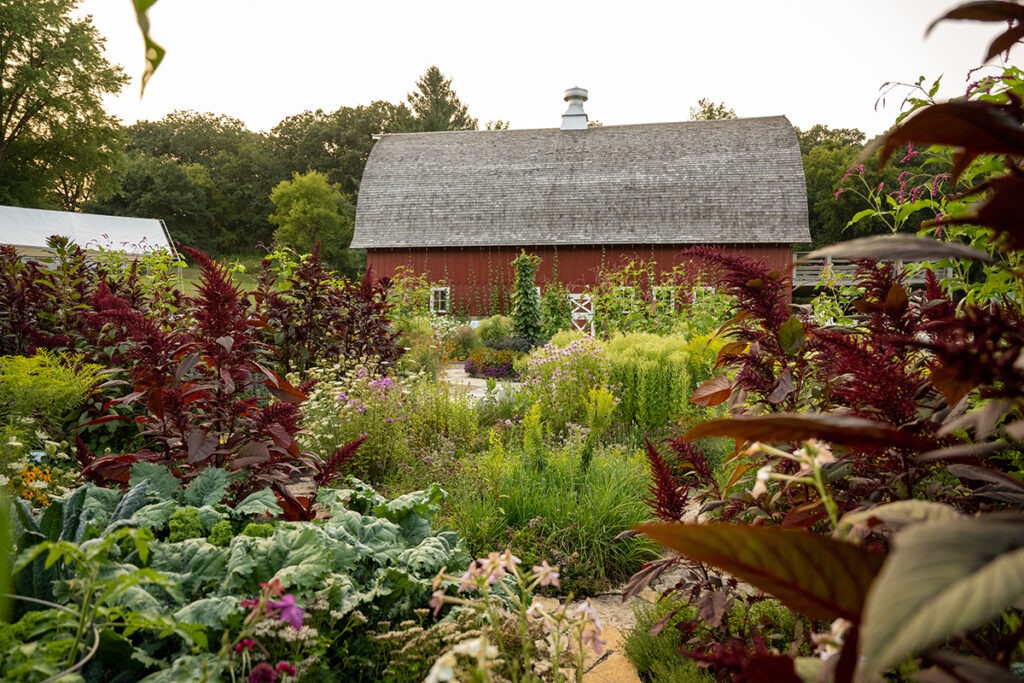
[(482, 276)]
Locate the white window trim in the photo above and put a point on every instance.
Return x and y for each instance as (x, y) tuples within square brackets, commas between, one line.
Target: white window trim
[(664, 295), (698, 293), (440, 300)]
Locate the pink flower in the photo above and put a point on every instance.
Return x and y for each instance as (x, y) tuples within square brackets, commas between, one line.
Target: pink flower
[(290, 612), (548, 575), (437, 601), (285, 668), (840, 191), (245, 644)]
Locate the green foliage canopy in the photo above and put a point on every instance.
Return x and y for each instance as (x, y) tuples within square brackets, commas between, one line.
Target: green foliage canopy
[(436, 106), (308, 210), (53, 76)]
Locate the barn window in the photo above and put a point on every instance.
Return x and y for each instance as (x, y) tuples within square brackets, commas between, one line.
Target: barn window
[(664, 297), (701, 294), (440, 299)]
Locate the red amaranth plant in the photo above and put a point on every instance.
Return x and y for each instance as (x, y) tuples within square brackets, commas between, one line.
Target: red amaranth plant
[(208, 395)]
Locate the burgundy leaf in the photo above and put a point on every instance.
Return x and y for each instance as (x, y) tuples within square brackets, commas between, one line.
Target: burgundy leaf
[(853, 432), (898, 247), (200, 446), (978, 126), (712, 392), (783, 388), (229, 383), (813, 574), (185, 366)]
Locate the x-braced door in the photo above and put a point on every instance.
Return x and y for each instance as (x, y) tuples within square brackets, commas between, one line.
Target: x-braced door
[(582, 313)]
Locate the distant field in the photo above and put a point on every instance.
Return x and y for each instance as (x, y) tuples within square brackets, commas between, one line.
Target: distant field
[(246, 280)]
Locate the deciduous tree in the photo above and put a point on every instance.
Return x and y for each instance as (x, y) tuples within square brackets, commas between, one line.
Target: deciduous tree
[(307, 210), (53, 76)]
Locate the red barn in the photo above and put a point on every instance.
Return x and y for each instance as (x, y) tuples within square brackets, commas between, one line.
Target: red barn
[(459, 206)]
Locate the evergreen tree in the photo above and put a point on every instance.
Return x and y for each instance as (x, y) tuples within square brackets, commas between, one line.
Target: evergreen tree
[(435, 105), (526, 316)]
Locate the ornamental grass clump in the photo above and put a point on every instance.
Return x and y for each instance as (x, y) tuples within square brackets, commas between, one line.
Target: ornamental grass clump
[(546, 502), (560, 380)]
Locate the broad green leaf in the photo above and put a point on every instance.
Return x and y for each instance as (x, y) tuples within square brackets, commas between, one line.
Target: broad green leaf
[(209, 488), (211, 514), (898, 515), (791, 335), (262, 502), (426, 559), (859, 216), (809, 573), (940, 579), (423, 503), (156, 515), (73, 512), (195, 564), (189, 669), (854, 432), (210, 612), (898, 247), (162, 481), (132, 501)]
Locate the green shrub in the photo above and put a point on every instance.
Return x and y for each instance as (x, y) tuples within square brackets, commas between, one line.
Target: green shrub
[(221, 533), (464, 340), (185, 524), (555, 309), (257, 530), (526, 318), (650, 375), (45, 387), (415, 428), (495, 327)]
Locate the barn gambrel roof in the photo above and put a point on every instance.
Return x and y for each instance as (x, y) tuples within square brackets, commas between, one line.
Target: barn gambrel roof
[(696, 182)]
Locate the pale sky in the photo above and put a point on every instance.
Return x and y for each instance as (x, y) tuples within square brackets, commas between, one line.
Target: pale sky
[(644, 61)]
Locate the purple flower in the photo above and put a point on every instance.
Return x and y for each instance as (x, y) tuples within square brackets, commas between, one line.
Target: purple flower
[(290, 612)]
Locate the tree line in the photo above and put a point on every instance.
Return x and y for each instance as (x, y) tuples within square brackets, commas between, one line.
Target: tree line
[(225, 189)]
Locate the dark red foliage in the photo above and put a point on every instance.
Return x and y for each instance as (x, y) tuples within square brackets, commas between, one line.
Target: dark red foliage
[(763, 293), (314, 317), (668, 498)]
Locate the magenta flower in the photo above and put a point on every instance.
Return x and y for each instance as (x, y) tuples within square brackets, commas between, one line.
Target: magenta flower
[(285, 668), (262, 673), (290, 612)]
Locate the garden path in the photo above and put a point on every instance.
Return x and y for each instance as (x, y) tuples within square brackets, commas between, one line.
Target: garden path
[(476, 387), (616, 616)]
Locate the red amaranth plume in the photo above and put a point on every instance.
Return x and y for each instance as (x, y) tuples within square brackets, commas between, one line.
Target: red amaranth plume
[(759, 291), (668, 499)]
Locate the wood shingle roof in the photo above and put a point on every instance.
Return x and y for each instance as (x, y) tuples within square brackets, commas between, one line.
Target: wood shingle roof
[(696, 182)]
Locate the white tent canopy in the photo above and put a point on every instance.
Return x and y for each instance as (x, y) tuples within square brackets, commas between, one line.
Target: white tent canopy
[(28, 230)]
